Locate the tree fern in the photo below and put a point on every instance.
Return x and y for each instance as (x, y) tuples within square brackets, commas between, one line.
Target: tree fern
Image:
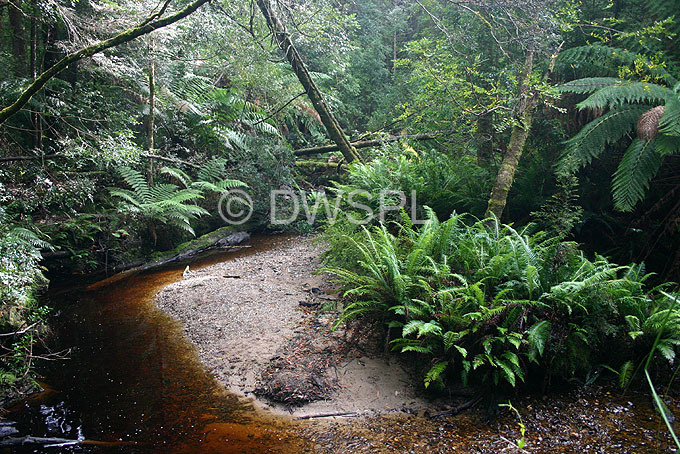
[(631, 104), (591, 141), (626, 92), (163, 202)]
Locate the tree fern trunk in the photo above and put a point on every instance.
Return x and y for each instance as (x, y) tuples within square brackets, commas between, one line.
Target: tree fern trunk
[(285, 43)]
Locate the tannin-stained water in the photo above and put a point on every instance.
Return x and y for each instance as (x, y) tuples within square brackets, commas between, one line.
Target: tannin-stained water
[(133, 383)]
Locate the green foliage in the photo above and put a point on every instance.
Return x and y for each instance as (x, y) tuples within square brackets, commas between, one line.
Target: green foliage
[(493, 304), (166, 202), (21, 318), (162, 202), (629, 104), (442, 182), (561, 213)]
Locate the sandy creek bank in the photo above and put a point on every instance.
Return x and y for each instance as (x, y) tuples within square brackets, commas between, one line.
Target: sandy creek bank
[(261, 326), (264, 314)]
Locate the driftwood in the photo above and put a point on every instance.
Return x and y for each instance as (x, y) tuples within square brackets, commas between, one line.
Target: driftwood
[(230, 241), (460, 408), (370, 143), (346, 414)]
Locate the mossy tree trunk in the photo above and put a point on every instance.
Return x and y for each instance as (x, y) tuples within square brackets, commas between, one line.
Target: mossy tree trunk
[(285, 43), (151, 119), (524, 119), (520, 132)]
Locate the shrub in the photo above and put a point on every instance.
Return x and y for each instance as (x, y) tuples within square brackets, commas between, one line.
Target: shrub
[(485, 302), (21, 318)]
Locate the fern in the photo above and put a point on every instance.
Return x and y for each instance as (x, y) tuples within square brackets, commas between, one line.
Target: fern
[(631, 180), (434, 373), (625, 92), (629, 101), (591, 141), (162, 202)]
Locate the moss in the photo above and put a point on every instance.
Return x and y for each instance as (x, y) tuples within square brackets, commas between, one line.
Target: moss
[(202, 242)]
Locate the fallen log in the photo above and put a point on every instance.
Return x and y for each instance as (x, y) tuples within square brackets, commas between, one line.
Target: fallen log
[(40, 441), (370, 143), (308, 164)]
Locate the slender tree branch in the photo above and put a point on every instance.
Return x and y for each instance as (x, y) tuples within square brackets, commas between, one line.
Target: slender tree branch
[(370, 143), (279, 109)]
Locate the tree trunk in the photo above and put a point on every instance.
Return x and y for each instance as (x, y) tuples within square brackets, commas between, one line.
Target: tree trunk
[(152, 107), (16, 22), (484, 139), (394, 55), (520, 132), (35, 116), (285, 43), (524, 118)]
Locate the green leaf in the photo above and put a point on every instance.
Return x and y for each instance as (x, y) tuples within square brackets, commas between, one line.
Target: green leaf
[(538, 336), (462, 351), (434, 372), (625, 373)]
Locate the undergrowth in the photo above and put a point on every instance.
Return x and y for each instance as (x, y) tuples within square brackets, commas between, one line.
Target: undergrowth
[(483, 302)]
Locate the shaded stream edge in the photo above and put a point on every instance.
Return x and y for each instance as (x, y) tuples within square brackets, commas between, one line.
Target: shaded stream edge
[(134, 384)]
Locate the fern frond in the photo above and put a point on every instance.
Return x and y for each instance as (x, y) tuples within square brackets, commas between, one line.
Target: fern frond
[(589, 84), (670, 122), (625, 92), (178, 174), (638, 166), (137, 182), (590, 142)]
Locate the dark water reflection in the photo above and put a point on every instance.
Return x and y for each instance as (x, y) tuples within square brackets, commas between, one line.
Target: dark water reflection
[(134, 384)]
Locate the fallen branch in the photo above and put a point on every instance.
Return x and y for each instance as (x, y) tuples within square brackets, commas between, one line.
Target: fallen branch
[(42, 441), (460, 408), (347, 414), (173, 160), (26, 158), (371, 143), (22, 331)]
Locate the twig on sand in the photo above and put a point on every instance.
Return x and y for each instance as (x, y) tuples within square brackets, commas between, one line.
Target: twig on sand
[(347, 414)]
